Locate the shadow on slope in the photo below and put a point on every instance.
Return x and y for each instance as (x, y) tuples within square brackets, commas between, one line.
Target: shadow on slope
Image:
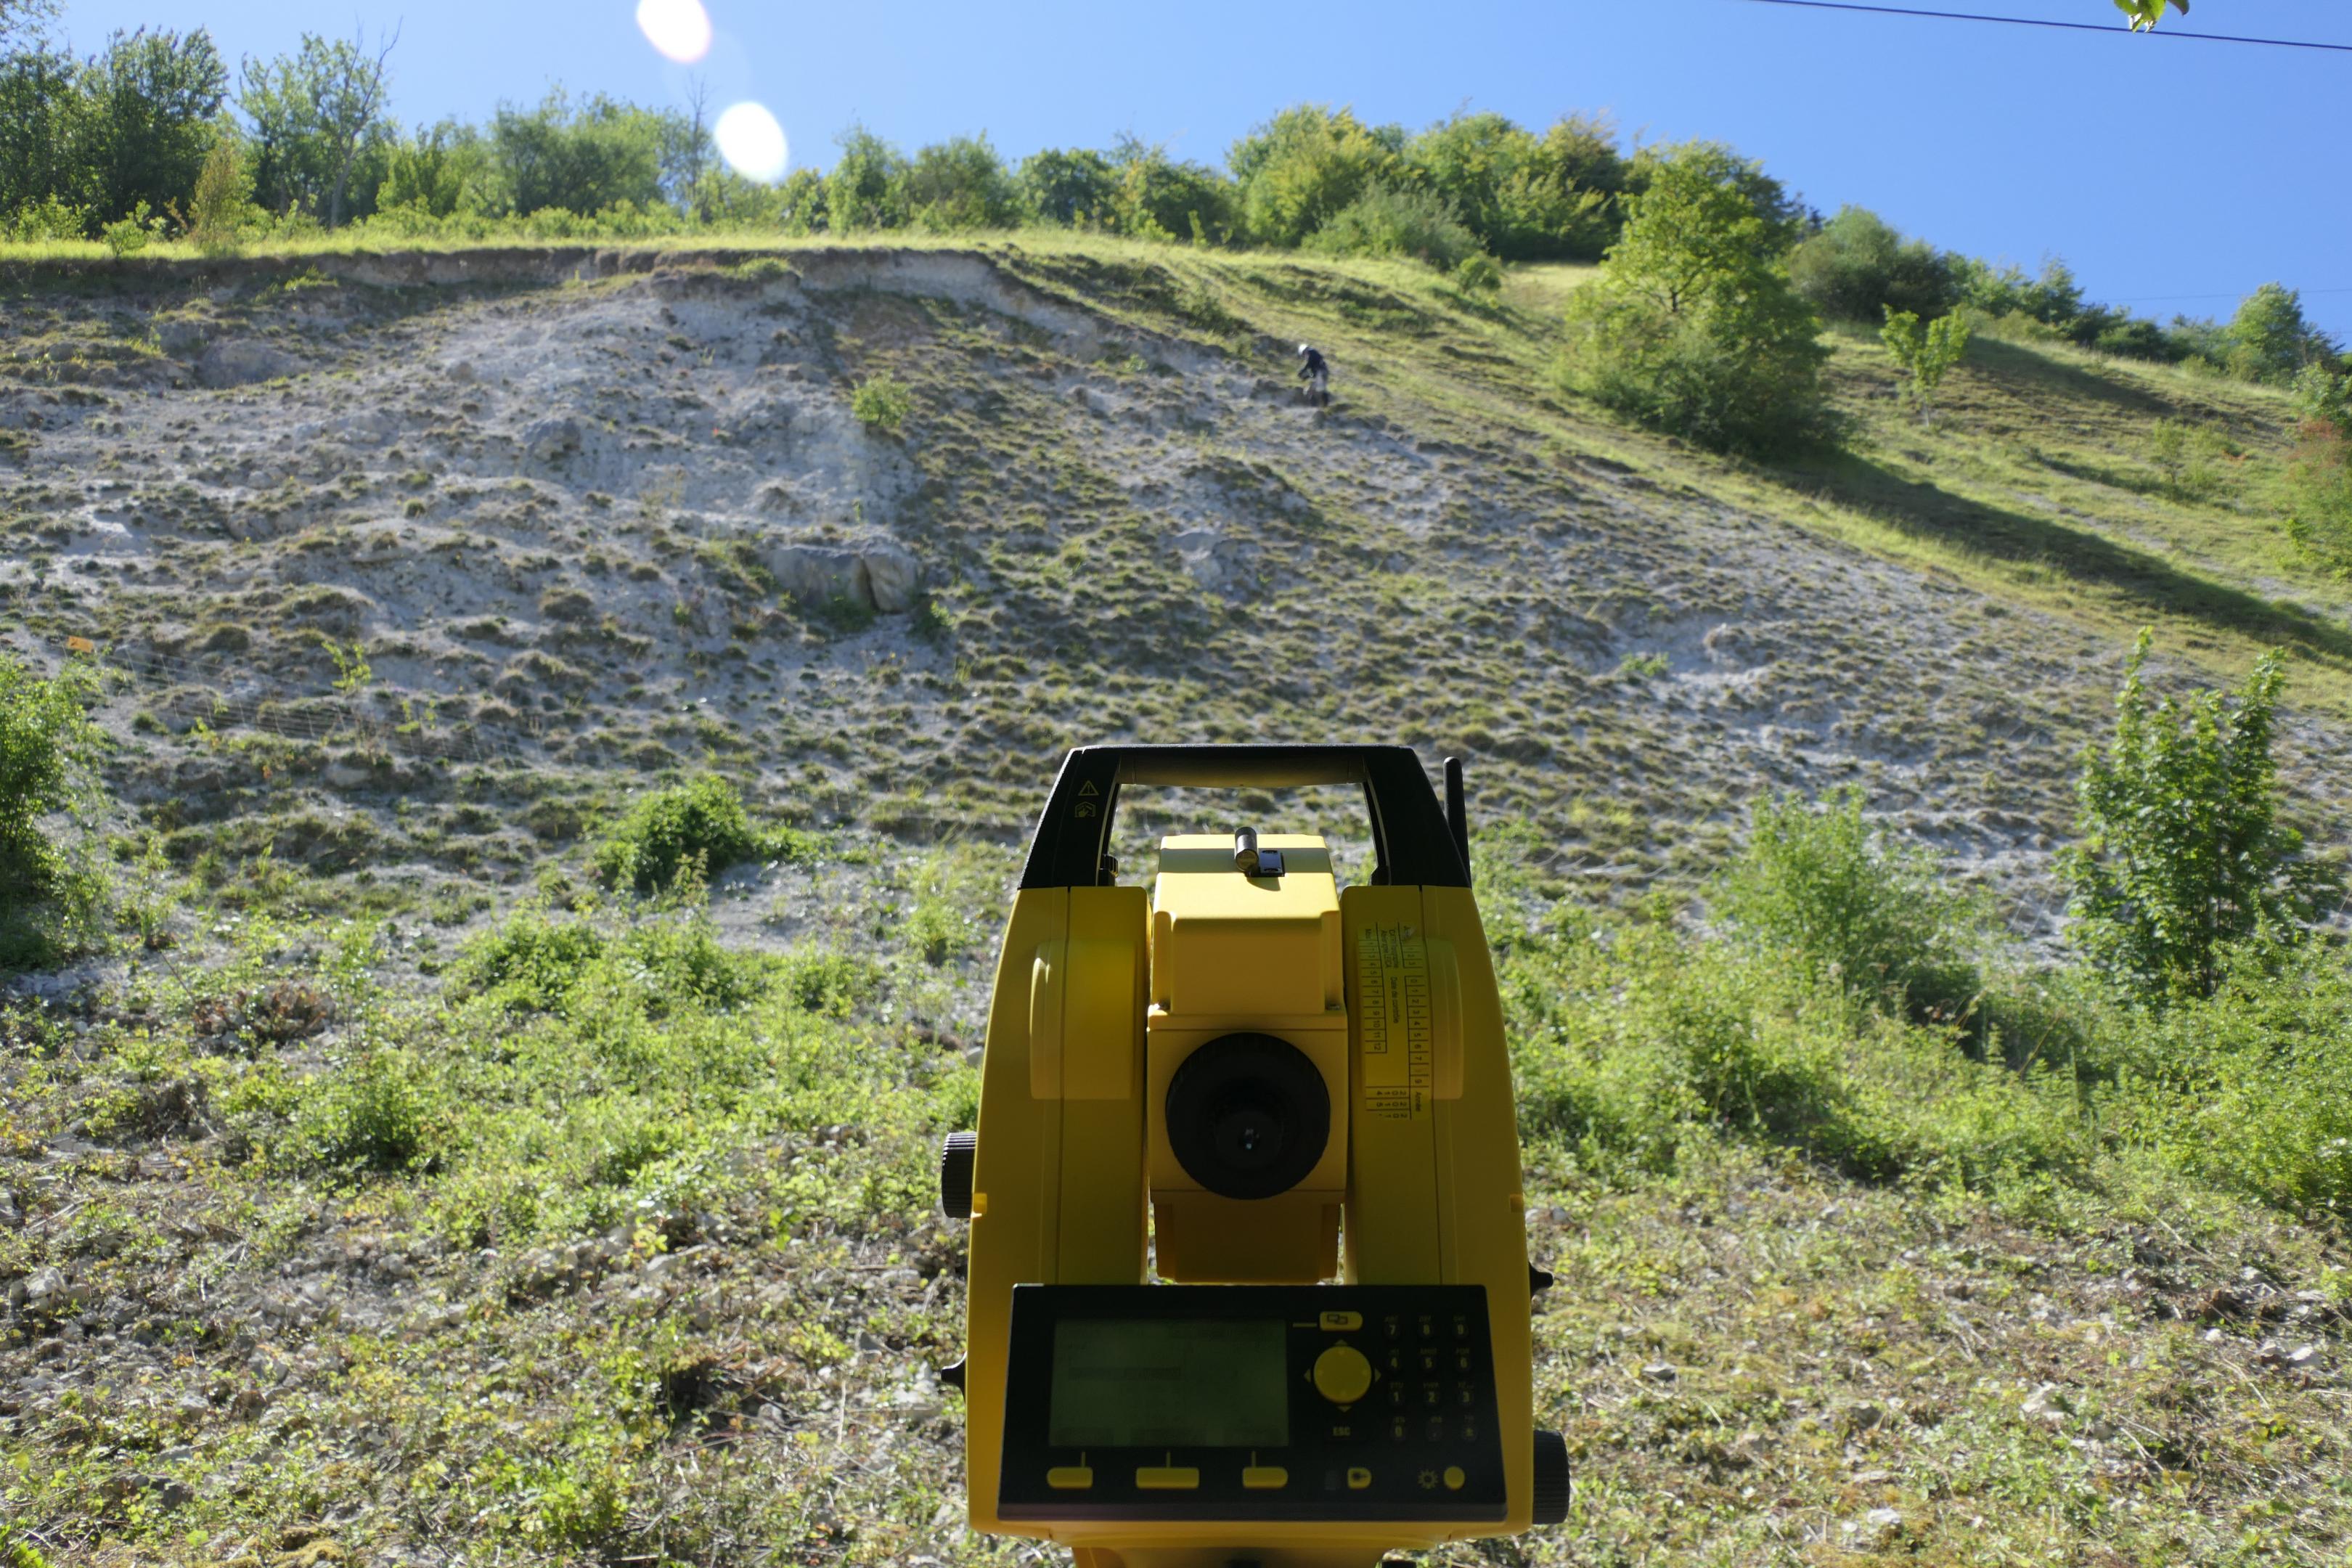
[(1930, 514)]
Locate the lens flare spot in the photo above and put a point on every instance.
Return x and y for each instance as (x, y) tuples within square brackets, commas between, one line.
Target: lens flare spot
[(752, 142), (680, 29)]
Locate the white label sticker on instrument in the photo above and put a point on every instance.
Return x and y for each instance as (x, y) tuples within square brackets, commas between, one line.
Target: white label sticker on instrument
[(1393, 979)]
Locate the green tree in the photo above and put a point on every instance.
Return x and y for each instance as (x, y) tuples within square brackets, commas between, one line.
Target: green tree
[(313, 114), (1303, 166), (21, 20), (2178, 852), (800, 202), (2269, 338), (1857, 266), (222, 198), (865, 188), (959, 183), (1925, 354), (1527, 199), (579, 156), (50, 891), (44, 119), (150, 103), (1068, 186), (1158, 197), (439, 170), (1691, 325), (2053, 297)]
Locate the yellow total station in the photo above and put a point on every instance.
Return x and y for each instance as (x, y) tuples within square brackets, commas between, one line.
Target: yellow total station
[(1249, 1278)]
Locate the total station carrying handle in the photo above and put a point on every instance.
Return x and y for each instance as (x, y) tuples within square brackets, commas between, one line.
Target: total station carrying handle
[(1417, 845)]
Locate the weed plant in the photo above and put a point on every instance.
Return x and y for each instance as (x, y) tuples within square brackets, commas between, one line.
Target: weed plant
[(696, 829), (52, 893)]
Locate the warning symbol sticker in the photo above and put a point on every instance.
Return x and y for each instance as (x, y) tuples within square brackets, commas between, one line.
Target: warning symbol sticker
[(1392, 983)]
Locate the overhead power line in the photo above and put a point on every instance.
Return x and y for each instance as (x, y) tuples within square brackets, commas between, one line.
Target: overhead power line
[(2239, 294), (2063, 26)]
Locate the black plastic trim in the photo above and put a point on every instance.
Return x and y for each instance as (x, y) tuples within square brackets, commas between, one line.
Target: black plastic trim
[(1552, 1490), (1414, 842), (959, 1151)]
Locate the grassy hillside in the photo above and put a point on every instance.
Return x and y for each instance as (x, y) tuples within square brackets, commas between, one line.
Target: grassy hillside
[(407, 1189)]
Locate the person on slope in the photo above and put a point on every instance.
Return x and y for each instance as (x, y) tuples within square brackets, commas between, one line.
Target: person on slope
[(1315, 372)]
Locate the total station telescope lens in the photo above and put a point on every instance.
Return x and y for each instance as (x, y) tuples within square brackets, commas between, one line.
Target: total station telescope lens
[(1248, 1115)]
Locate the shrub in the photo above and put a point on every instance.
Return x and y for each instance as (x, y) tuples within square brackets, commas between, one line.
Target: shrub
[(700, 825), (128, 233), (2322, 397), (529, 961), (819, 980), (1158, 197), (1692, 326), (2191, 457), (2053, 297), (222, 200), (1846, 904), (959, 184), (1068, 187), (2136, 337), (51, 891), (2181, 854), (682, 965), (882, 404), (382, 1113), (1857, 267), (1479, 273), (587, 972), (865, 187), (1304, 167), (2251, 1086), (46, 219), (1392, 223), (2317, 492), (1925, 354), (1633, 1042)]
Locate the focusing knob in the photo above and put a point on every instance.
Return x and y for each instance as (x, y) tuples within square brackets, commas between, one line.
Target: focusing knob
[(956, 1157), (1551, 1478), (1343, 1376)]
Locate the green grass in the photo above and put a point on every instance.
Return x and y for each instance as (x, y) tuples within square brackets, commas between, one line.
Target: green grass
[(617, 1242)]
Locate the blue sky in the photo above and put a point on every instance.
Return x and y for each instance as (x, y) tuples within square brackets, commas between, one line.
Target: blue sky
[(2172, 175)]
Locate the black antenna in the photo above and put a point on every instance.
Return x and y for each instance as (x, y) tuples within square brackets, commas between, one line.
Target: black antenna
[(1457, 814)]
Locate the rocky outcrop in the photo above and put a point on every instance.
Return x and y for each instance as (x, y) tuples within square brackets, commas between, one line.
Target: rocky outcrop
[(875, 574), (241, 360)]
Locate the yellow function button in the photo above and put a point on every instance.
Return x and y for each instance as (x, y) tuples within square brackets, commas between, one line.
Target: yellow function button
[(1455, 1478), (1359, 1478), (1342, 1323), (1070, 1478), (1265, 1478), (1167, 1477), (1343, 1376)]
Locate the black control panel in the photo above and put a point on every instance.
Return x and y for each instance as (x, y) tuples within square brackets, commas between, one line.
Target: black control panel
[(1251, 1402)]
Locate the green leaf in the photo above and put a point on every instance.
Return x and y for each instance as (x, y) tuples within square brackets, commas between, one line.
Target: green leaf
[(2147, 14)]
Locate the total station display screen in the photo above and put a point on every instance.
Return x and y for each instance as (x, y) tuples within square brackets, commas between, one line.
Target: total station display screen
[(1168, 1382)]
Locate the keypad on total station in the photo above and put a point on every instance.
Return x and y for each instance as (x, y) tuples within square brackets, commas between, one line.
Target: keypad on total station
[(1433, 1377)]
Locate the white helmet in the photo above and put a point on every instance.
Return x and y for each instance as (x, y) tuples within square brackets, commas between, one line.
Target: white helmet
[(1304, 351)]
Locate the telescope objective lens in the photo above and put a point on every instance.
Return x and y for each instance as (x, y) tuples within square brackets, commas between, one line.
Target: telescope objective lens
[(1248, 1115)]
